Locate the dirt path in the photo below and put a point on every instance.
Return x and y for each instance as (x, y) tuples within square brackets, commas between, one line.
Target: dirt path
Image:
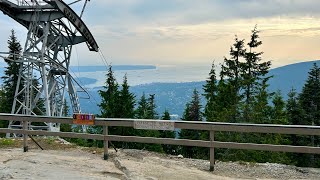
[(76, 163)]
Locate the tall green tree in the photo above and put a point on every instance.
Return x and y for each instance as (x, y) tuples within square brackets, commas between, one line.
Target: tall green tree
[(193, 113), (169, 149), (210, 93), (294, 116), (231, 71), (126, 100), (109, 105), (146, 110), (278, 115), (126, 110), (142, 109), (110, 96), (310, 104), (254, 72), (11, 73)]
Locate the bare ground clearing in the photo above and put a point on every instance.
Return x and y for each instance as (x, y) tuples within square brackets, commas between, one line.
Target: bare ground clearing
[(60, 161)]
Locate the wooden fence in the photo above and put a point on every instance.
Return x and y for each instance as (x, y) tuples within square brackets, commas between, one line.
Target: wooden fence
[(169, 125)]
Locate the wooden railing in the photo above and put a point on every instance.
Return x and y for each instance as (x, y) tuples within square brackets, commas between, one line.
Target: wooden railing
[(209, 126)]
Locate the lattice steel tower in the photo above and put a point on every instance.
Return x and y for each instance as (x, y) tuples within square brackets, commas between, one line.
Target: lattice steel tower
[(44, 78)]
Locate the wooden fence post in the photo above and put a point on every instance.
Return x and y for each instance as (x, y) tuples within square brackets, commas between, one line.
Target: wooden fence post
[(212, 151), (25, 136), (105, 142)]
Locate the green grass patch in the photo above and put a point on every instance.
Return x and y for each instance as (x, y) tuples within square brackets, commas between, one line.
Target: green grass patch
[(6, 142)]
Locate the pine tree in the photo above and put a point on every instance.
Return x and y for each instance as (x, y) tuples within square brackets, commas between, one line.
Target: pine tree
[(193, 113), (109, 105), (65, 113), (254, 72), (310, 104), (261, 111), (210, 93), (294, 116), (152, 114), (310, 97), (110, 97), (169, 149), (278, 111), (126, 101), (11, 74), (146, 110), (231, 72), (142, 109), (127, 104)]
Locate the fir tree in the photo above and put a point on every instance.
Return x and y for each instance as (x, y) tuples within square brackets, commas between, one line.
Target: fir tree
[(109, 105), (310, 103), (231, 71), (142, 109), (278, 111), (254, 72), (127, 103), (169, 149), (261, 111), (210, 93), (110, 97), (152, 114), (294, 116), (127, 100), (193, 113), (11, 74), (146, 110)]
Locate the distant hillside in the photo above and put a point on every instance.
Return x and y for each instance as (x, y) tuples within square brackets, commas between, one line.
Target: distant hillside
[(174, 96), (290, 76)]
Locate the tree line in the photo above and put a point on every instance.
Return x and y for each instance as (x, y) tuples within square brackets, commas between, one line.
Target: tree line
[(238, 94)]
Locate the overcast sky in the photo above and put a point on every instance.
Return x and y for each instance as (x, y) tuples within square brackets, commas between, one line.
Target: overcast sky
[(174, 32)]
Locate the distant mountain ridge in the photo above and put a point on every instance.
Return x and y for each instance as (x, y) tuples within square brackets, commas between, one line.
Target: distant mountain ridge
[(174, 96)]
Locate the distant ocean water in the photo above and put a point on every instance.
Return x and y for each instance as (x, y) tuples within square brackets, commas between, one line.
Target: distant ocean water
[(158, 74)]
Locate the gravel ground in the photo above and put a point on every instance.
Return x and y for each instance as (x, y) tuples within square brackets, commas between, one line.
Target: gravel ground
[(71, 162)]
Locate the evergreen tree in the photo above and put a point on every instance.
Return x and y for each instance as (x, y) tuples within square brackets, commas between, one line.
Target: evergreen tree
[(254, 72), (152, 114), (142, 109), (310, 104), (127, 100), (294, 116), (109, 105), (231, 71), (110, 97), (11, 74), (127, 103), (278, 111), (169, 149), (293, 108), (210, 93), (261, 111), (146, 110), (193, 113), (65, 113)]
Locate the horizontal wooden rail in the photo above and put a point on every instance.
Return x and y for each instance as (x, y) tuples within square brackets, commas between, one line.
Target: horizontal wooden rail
[(209, 126)]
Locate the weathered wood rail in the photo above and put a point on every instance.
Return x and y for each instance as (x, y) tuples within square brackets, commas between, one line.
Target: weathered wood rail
[(209, 126)]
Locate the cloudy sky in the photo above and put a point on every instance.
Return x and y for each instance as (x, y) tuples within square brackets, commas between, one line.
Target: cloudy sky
[(175, 32)]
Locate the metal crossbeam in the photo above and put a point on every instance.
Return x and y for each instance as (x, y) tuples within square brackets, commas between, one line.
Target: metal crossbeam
[(44, 79)]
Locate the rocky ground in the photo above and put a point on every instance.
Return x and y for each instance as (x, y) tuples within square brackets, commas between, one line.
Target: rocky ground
[(60, 161)]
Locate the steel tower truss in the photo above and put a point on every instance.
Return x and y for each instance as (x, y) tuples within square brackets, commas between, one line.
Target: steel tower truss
[(44, 79)]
